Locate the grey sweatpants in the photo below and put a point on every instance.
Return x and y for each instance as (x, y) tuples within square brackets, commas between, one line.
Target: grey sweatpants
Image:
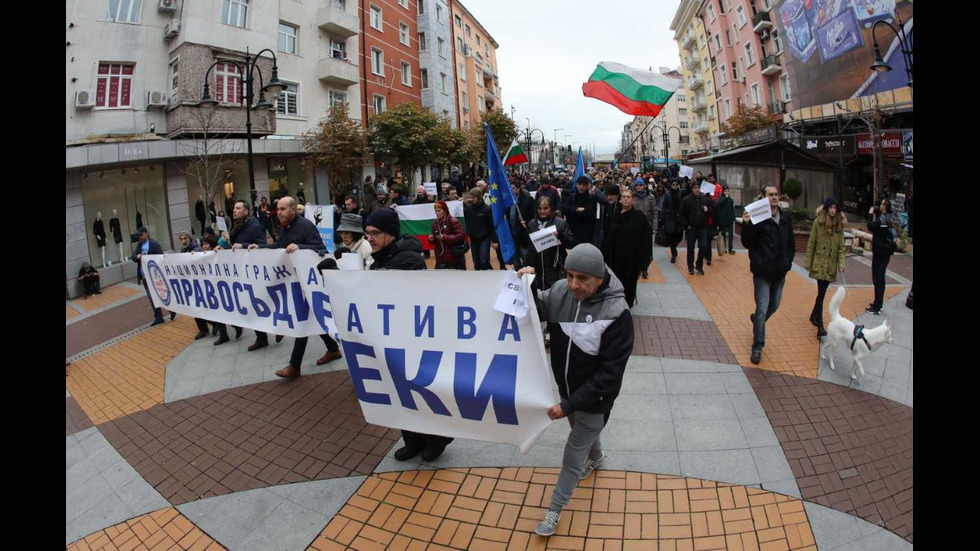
[(583, 443)]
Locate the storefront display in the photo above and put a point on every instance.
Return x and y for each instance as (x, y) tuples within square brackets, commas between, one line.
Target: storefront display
[(234, 186), (128, 198), (290, 176)]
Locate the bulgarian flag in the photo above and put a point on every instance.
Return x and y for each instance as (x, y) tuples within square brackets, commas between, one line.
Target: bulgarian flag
[(632, 91), (515, 155), (417, 220)]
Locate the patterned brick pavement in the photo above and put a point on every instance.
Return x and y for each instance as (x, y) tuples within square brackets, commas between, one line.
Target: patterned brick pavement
[(656, 276), (109, 295), (165, 529), (75, 418), (70, 313), (680, 338), (251, 437), (104, 326), (500, 508), (128, 377), (848, 449), (791, 343)]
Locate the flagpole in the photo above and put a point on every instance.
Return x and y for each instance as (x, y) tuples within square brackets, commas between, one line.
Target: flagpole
[(630, 146)]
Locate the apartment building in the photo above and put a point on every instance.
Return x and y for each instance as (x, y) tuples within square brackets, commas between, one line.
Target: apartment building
[(671, 124), (477, 80), (390, 73), (692, 43), (436, 55)]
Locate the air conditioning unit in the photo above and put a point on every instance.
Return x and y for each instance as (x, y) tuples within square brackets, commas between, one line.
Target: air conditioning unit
[(171, 29), (156, 98), (167, 5), (85, 98)]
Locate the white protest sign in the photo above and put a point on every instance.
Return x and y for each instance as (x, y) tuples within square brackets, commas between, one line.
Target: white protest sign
[(261, 289), (759, 211), (512, 298), (447, 364), (545, 239), (687, 171), (222, 226), (351, 262), (322, 217), (431, 188), (707, 188), (634, 170)]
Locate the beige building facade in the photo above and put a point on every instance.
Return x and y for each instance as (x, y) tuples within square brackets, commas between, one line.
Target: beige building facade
[(696, 67), (476, 71)]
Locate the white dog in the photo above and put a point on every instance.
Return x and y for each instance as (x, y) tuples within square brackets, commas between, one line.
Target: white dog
[(843, 330)]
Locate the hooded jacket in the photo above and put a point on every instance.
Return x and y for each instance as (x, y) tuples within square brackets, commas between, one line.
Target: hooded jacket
[(591, 341), (404, 253)]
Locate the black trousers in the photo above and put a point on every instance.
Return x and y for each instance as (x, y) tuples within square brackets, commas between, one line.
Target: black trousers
[(879, 265), (419, 440), (818, 305), (701, 238), (299, 349), (672, 240), (202, 325)]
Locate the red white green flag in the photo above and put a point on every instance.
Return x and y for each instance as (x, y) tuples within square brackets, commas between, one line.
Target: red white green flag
[(515, 155), (632, 91)]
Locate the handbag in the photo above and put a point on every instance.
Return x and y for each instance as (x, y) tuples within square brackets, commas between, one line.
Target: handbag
[(461, 248)]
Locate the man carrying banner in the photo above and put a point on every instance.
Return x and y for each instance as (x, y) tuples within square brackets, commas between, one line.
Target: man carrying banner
[(588, 364), (295, 233)]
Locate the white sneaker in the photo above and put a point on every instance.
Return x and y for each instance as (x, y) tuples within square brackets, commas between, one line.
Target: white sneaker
[(549, 524), (591, 465)]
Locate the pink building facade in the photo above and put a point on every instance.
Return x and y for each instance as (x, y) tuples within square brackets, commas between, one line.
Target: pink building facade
[(746, 56)]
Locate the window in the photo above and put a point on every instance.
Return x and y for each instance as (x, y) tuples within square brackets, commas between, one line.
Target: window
[(403, 33), (287, 38), (115, 86), (711, 112), (337, 98), (711, 12), (784, 85), (735, 28), (459, 21), (377, 62), (683, 124), (777, 42), (466, 103), (376, 17), (233, 12), (228, 84), (421, 6), (468, 31), (439, 13), (338, 3), (173, 83), (487, 46), (717, 43), (728, 37), (379, 104), (740, 13), (728, 108), (422, 45), (479, 103), (681, 98), (442, 47), (756, 97), (479, 41), (459, 44), (682, 112), (734, 71), (338, 49), (425, 79), (406, 74), (404, 3), (124, 11), (748, 54), (445, 88), (462, 72), (288, 101), (724, 76), (710, 86)]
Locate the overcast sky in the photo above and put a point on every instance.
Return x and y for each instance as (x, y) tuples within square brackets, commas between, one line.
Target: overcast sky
[(548, 49)]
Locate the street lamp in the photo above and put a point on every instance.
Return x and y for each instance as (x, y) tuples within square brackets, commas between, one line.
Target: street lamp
[(273, 88), (665, 133), (879, 66)]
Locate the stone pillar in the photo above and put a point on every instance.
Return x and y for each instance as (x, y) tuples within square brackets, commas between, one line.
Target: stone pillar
[(76, 238), (322, 186), (261, 164), (177, 201)]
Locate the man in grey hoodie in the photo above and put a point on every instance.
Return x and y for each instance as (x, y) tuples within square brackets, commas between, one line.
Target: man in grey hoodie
[(591, 340)]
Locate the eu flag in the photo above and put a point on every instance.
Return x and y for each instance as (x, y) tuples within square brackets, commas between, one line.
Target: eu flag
[(579, 168), (501, 198)]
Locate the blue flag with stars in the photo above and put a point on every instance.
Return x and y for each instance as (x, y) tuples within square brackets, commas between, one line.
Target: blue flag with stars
[(579, 169), (501, 198)]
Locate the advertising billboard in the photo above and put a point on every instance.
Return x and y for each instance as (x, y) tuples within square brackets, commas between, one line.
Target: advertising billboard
[(828, 47)]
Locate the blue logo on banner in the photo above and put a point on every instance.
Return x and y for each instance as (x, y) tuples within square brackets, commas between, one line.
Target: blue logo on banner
[(158, 282)]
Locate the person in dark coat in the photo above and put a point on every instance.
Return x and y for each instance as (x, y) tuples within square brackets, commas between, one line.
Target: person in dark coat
[(88, 277), (580, 211), (550, 263), (245, 230), (609, 208), (190, 245), (550, 191), (295, 233), (479, 228), (671, 216), (646, 202), (446, 233), (393, 251), (881, 224), (694, 214), (147, 246), (771, 248), (711, 230), (726, 220), (628, 246), (518, 216)]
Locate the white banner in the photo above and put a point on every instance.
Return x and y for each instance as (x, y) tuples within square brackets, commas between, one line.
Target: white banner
[(443, 363), (707, 188), (322, 218)]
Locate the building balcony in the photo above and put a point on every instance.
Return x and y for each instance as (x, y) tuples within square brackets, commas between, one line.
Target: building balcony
[(698, 104), (691, 62), (771, 65), (690, 42), (712, 116), (338, 72), (489, 94), (700, 127), (695, 82), (777, 108), (337, 21), (761, 21)]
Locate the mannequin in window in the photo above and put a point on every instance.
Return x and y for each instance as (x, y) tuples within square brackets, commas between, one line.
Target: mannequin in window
[(99, 230), (300, 195), (201, 214), (116, 230), (213, 212)]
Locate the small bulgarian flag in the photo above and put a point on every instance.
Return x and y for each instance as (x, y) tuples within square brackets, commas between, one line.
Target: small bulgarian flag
[(632, 91), (515, 155), (417, 220)]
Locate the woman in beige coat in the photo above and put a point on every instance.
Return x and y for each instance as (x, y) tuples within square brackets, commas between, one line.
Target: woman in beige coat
[(825, 254)]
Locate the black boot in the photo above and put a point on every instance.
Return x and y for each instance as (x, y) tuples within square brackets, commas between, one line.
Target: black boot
[(408, 452), (815, 319)]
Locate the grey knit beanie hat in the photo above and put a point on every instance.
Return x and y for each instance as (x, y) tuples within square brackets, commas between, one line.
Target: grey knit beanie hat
[(586, 258)]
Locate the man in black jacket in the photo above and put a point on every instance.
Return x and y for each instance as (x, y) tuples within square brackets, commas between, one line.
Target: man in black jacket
[(245, 230), (479, 228), (393, 251), (771, 247), (581, 211), (147, 246), (693, 216), (295, 233), (592, 339)]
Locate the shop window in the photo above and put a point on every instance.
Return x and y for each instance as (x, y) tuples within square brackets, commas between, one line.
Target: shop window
[(132, 198), (289, 176)]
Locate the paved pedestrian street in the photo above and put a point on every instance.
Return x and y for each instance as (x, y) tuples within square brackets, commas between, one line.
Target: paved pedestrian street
[(172, 443)]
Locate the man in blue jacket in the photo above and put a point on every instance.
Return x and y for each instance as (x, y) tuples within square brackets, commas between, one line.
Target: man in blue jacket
[(147, 246)]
